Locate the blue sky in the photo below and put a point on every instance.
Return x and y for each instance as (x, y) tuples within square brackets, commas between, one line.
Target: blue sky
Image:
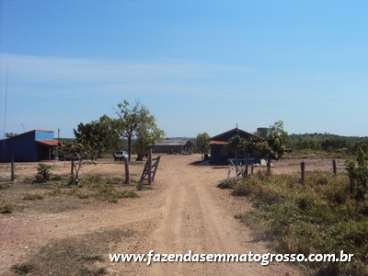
[(198, 65)]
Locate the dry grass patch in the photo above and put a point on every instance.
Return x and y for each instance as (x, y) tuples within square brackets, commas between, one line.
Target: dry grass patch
[(320, 216), (77, 256), (32, 197)]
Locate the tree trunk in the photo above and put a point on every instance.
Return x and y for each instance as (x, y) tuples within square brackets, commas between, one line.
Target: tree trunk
[(269, 166), (140, 156), (127, 175), (129, 147)]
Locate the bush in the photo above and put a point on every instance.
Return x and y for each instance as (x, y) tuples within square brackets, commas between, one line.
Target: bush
[(22, 269), (241, 189), (227, 184), (320, 216), (32, 197), (6, 208), (43, 173)]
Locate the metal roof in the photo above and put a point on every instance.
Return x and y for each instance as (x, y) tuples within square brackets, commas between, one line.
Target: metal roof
[(50, 143)]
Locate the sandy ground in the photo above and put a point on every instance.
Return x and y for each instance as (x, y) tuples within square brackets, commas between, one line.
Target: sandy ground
[(183, 211)]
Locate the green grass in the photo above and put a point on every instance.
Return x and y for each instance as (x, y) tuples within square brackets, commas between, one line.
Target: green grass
[(319, 217)]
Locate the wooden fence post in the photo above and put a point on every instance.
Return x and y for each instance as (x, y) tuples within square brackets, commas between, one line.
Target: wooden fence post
[(334, 167), (150, 166), (302, 171), (12, 170)]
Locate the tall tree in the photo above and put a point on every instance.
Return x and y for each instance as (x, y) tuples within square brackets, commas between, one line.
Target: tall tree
[(203, 143), (147, 133), (128, 122), (95, 136), (275, 145)]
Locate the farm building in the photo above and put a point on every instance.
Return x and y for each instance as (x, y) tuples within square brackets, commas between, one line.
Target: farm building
[(220, 154), (34, 145), (173, 145)]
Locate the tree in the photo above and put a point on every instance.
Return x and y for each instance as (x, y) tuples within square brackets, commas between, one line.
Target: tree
[(275, 145), (358, 174), (95, 136), (203, 143), (272, 148), (147, 133), (128, 122), (77, 153), (236, 144)]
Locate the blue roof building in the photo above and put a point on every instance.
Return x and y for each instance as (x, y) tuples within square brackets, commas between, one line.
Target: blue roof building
[(31, 146)]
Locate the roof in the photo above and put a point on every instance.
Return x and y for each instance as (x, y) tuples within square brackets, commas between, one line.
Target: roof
[(172, 142), (27, 132), (50, 143), (223, 138), (215, 142)]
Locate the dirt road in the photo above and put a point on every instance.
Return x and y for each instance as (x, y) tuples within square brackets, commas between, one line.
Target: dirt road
[(198, 216), (184, 211)]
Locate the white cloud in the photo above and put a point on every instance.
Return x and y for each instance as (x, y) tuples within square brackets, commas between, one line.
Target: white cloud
[(48, 69)]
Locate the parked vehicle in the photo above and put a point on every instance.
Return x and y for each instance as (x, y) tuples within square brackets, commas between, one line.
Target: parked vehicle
[(120, 155)]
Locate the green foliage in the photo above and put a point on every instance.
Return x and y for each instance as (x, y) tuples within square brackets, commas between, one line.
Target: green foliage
[(43, 173), (320, 216), (273, 147), (96, 136), (328, 143), (202, 143), (136, 122), (127, 123), (358, 173), (147, 132), (77, 153)]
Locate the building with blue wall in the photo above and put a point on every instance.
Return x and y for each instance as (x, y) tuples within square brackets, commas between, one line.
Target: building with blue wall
[(31, 146)]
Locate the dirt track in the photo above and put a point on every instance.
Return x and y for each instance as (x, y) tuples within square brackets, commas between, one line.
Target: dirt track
[(185, 211)]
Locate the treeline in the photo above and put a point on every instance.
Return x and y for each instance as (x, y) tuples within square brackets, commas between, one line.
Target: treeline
[(327, 142)]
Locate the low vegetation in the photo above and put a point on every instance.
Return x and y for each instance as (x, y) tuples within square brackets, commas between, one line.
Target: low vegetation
[(321, 216), (6, 208), (43, 173), (95, 187), (79, 256), (32, 197)]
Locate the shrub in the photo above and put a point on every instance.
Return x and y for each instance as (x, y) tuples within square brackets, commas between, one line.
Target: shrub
[(241, 189), (6, 208), (22, 269), (129, 194), (4, 186), (321, 216), (43, 173), (32, 197), (227, 184)]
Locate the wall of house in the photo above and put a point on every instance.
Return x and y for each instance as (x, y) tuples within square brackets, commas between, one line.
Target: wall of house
[(218, 154), (44, 135), (22, 148)]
